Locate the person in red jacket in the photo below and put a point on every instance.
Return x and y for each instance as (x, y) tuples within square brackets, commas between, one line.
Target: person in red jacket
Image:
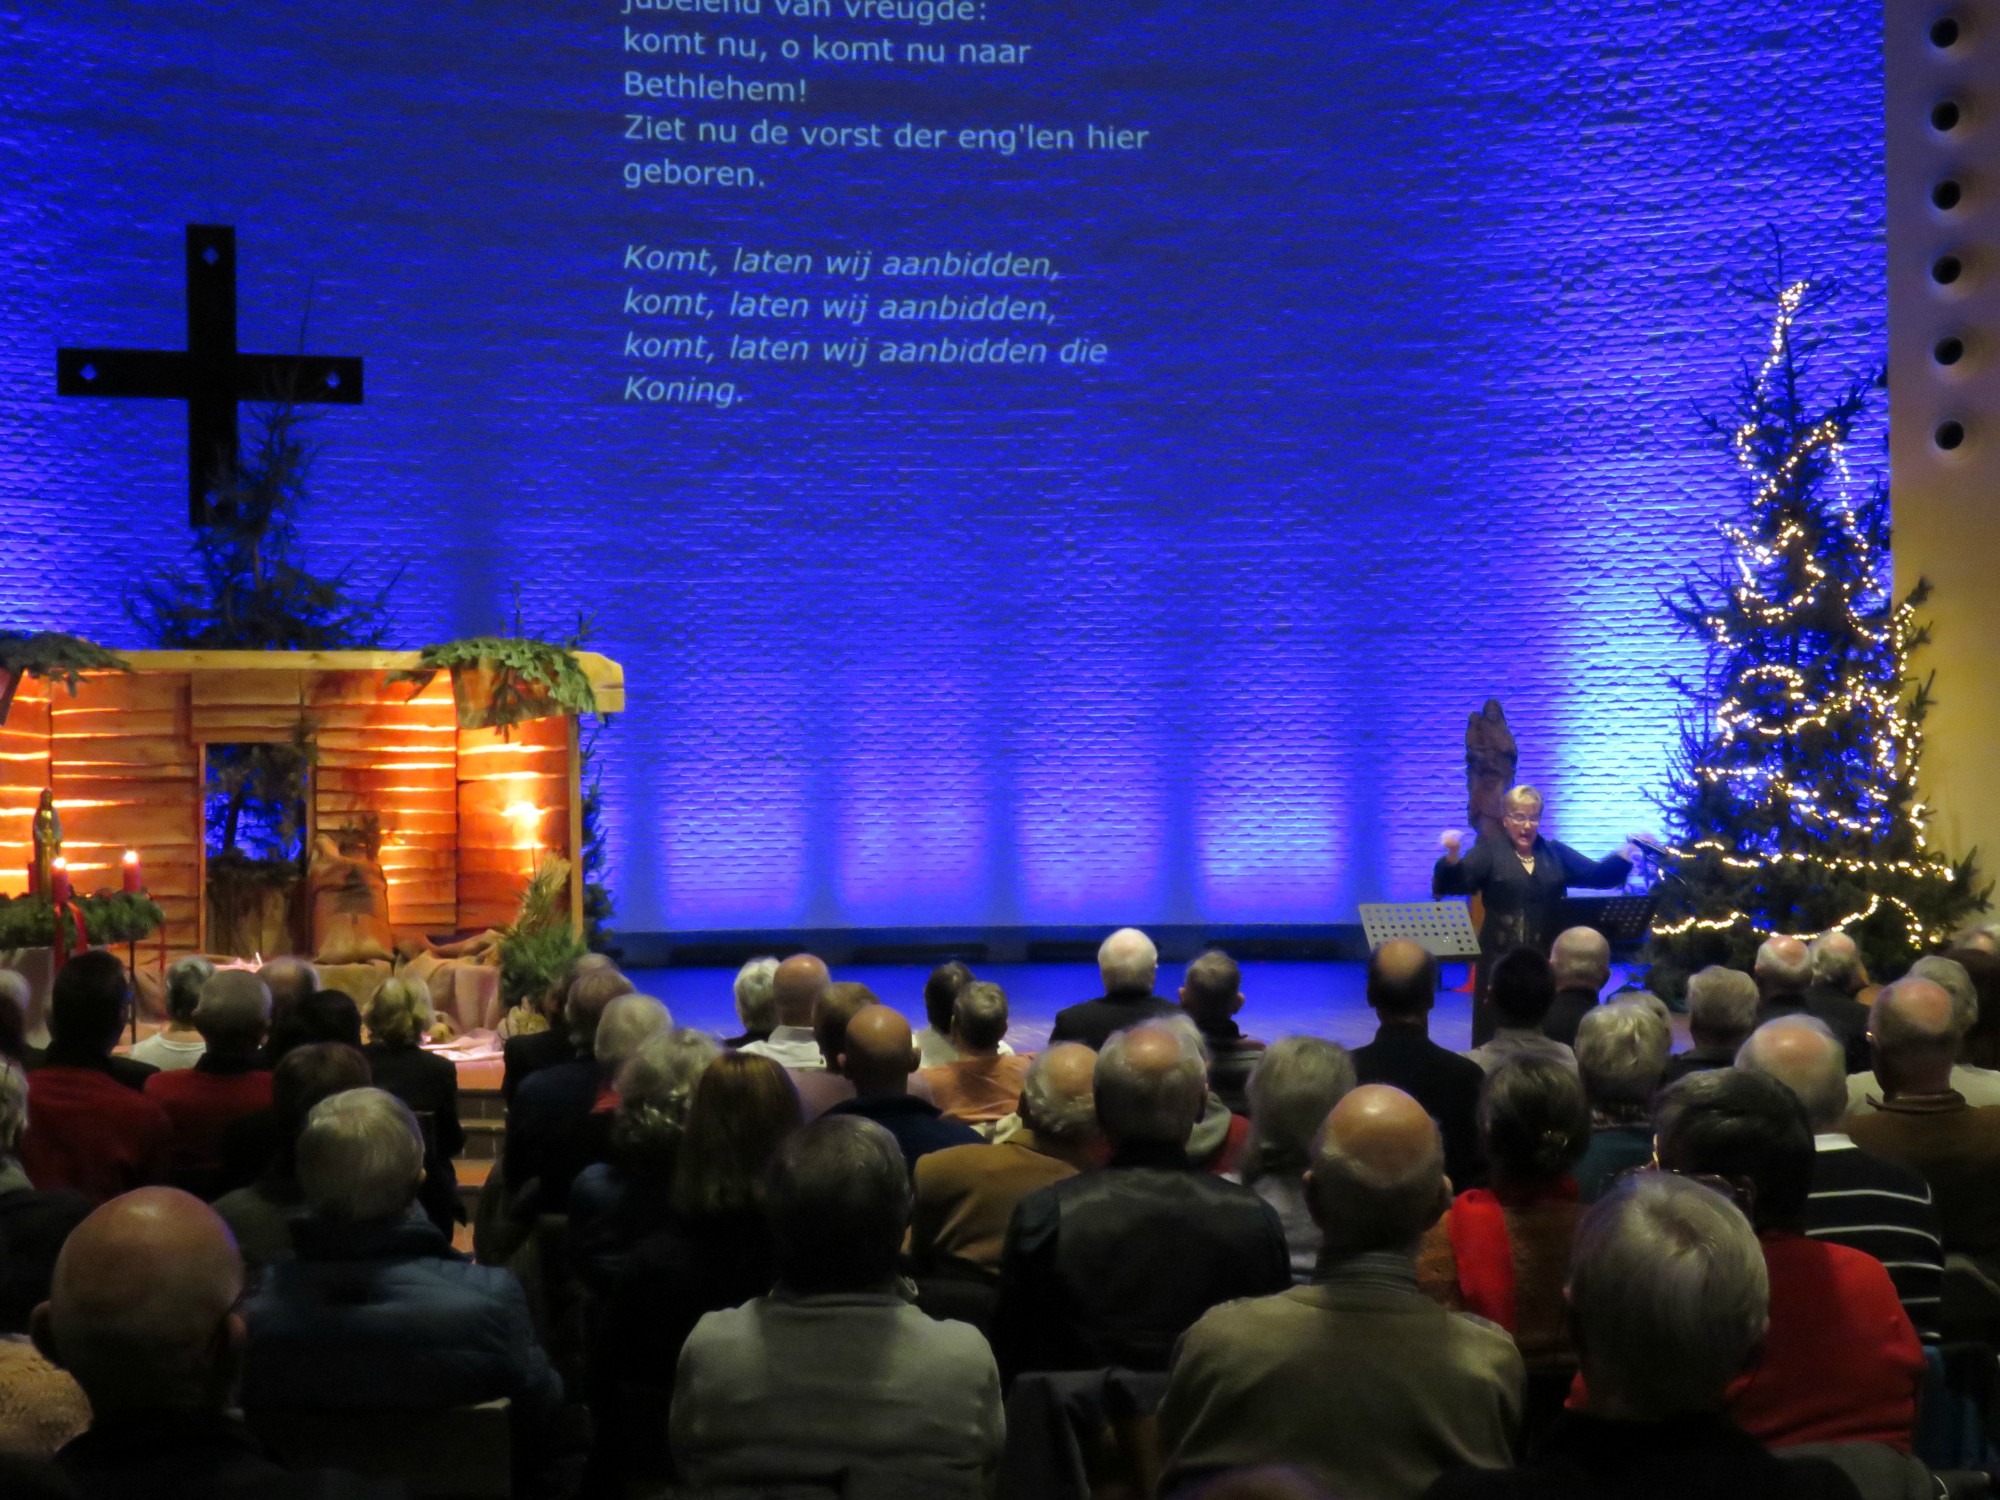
[(1841, 1362), (229, 1082), (87, 1129)]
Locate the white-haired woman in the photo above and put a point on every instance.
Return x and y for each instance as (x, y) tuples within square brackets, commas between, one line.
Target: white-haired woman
[(1522, 879), (399, 1018)]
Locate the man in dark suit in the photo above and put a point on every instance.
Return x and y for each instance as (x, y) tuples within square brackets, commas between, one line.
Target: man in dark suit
[(1129, 963), (878, 1055), (1837, 977), (1111, 1267), (1581, 959), (1402, 987)]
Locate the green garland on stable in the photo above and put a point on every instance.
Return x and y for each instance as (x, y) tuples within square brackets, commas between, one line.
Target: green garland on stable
[(29, 921), (51, 655), (529, 676)]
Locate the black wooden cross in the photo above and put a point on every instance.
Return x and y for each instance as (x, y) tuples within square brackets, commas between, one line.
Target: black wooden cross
[(210, 374)]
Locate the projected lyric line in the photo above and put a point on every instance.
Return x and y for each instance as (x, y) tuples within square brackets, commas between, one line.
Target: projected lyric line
[(741, 112)]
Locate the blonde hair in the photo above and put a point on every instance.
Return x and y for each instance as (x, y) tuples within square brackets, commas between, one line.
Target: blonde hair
[(400, 1014)]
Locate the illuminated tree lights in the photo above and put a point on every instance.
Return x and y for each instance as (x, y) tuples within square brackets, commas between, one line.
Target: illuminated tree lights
[(1792, 796)]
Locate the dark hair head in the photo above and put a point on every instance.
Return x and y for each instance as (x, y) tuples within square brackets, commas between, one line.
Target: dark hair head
[(941, 993), (589, 993), (1212, 986), (1745, 1127), (308, 1074), (1522, 988), (838, 1004), (1535, 1119), (326, 1016), (839, 1202), (90, 1001), (743, 1107), (1402, 980)]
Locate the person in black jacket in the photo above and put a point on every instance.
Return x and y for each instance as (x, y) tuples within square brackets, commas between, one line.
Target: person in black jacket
[(593, 984), (1402, 988), (1129, 964), (399, 1017), (1111, 1267), (1522, 880)]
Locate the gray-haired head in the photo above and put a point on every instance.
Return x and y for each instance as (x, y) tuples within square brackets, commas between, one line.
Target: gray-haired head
[(1949, 975), (1621, 1050), (1836, 961), (1057, 1097), (233, 1013), (1151, 1083), (1377, 1180), (360, 1157), (756, 1010), (838, 1203), (1293, 1088), (1128, 962), (1783, 965), (185, 977), (1722, 1006), (1668, 1296), (626, 1023), (13, 1107), (1802, 1054), (979, 1016), (1581, 958), (661, 1074)]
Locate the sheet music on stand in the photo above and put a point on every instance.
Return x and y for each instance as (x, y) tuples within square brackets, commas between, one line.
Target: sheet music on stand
[(1622, 919), (1441, 928)]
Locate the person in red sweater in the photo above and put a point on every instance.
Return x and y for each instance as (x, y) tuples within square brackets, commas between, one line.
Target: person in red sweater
[(229, 1082), (1841, 1363), (88, 1129)]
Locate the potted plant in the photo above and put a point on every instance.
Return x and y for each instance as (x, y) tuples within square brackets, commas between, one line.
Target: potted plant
[(500, 681)]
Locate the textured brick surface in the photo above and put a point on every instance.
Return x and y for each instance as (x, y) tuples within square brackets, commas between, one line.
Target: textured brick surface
[(1410, 307)]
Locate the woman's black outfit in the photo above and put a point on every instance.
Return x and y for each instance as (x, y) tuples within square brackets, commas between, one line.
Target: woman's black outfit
[(429, 1085)]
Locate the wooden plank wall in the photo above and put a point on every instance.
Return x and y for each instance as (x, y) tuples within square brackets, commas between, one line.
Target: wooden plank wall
[(24, 775), (127, 775), (381, 751), (498, 782)]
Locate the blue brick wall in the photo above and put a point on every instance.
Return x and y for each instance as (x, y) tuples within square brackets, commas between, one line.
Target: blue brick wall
[(1410, 308)]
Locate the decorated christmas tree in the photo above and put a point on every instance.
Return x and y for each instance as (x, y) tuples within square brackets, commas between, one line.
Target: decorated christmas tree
[(1793, 804)]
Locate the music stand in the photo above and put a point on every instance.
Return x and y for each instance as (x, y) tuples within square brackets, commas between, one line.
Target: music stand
[(1442, 929), (1624, 920)]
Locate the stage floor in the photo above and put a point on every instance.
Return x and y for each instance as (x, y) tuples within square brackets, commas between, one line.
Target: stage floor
[(1280, 999)]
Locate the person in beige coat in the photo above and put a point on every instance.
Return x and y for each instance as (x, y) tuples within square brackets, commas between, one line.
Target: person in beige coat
[(1357, 1378)]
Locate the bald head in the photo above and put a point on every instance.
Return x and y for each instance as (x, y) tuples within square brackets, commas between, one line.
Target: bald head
[(1402, 981), (1783, 966), (139, 1309), (878, 1055), (1914, 1027), (1128, 962), (1377, 1180), (233, 1013), (1802, 1054), (1581, 958), (796, 987), (1151, 1084)]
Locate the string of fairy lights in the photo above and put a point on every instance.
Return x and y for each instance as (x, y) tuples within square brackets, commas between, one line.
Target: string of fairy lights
[(1778, 578)]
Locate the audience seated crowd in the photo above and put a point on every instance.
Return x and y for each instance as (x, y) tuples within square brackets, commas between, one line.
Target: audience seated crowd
[(835, 1257)]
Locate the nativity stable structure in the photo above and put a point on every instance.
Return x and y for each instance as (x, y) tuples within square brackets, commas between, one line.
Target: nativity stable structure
[(464, 814)]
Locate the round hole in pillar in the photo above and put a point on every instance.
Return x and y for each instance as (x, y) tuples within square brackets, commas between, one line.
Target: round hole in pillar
[(1945, 115), (1948, 350), (1950, 434), (1946, 269), (1944, 32), (1947, 194)]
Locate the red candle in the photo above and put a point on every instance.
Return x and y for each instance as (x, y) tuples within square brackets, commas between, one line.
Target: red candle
[(135, 880), (60, 895)]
